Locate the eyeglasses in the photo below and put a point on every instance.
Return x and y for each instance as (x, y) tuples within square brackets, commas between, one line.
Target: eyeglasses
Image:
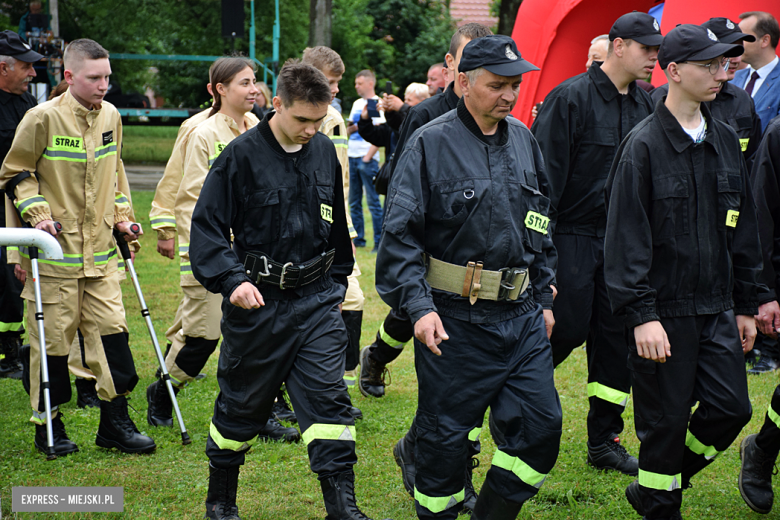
[(714, 65)]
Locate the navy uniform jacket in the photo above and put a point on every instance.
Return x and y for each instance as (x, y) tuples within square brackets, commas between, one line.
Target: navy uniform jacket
[(288, 206), (682, 236), (12, 110), (460, 199), (765, 178)]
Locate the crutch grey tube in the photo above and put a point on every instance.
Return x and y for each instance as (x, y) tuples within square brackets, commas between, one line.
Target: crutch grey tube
[(125, 250), (36, 239)]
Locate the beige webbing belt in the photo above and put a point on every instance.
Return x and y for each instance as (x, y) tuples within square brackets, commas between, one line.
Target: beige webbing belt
[(474, 283)]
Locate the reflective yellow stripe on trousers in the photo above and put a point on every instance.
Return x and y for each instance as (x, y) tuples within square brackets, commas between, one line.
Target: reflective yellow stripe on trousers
[(228, 444), (439, 504), (329, 432)]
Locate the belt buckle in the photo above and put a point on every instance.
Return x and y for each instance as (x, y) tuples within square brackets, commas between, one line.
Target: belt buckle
[(284, 271), (507, 274), (265, 272)]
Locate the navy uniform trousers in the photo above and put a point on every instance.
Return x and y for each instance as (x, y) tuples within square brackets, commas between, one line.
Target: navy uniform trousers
[(506, 366), (707, 367), (296, 339)]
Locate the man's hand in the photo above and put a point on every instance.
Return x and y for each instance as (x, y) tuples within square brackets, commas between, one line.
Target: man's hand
[(652, 342), (364, 113), (20, 273), (768, 319), (747, 331), (124, 227), (48, 226), (429, 330), (390, 103), (554, 290), (549, 321), (247, 296), (351, 128), (165, 248)]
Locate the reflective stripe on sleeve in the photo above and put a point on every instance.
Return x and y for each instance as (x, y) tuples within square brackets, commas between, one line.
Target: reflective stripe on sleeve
[(439, 504), (25, 204), (608, 394), (521, 470), (658, 481), (121, 200), (384, 336), (339, 141), (329, 432), (160, 222), (228, 444)]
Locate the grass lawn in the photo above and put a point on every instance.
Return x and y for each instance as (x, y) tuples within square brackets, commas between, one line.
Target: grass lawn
[(148, 144), (276, 482)]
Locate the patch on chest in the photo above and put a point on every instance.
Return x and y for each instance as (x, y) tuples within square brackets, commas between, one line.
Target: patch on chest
[(68, 144), (108, 137), (743, 143), (537, 222), (326, 212), (218, 147), (731, 218)]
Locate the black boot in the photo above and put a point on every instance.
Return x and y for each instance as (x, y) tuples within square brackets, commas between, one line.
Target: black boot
[(403, 452), (470, 498), (273, 431), (634, 497), (62, 444), (492, 506), (372, 375), (86, 394), (612, 455), (160, 409), (117, 430), (10, 365), (338, 492), (355, 412), (282, 411), (221, 498), (755, 476)]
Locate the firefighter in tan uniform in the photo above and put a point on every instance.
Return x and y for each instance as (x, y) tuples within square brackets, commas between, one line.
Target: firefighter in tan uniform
[(330, 64), (72, 145)]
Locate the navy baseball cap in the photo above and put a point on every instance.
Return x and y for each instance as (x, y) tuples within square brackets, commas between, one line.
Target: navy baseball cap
[(496, 53), (640, 27), (727, 31), (11, 44), (688, 42)]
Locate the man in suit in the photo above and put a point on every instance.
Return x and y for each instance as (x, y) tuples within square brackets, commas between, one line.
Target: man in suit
[(761, 79)]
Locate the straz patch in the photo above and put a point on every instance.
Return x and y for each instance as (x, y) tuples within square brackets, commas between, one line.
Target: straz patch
[(326, 212), (108, 137), (218, 147), (67, 144), (731, 218), (743, 143), (537, 222)]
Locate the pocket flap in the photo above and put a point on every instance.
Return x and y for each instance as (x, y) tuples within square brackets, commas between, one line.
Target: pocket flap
[(668, 187), (262, 198), (729, 182)]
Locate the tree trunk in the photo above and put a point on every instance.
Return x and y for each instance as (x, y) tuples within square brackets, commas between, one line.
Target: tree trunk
[(320, 22), (507, 13)]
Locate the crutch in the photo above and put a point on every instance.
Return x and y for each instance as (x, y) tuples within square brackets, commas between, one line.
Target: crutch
[(125, 251)]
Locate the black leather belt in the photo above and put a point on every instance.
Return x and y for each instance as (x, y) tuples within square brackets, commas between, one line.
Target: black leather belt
[(262, 269)]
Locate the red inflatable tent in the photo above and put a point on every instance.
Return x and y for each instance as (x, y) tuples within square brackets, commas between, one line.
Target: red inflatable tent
[(555, 34)]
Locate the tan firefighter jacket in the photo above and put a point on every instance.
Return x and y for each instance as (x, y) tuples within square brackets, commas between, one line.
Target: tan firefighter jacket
[(332, 121)]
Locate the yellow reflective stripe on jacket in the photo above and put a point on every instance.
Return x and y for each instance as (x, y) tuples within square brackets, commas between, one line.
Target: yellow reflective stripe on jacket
[(696, 446), (184, 248), (104, 256), (474, 434), (69, 259), (10, 327), (339, 141), (62, 155), (773, 416), (185, 268), (228, 444), (329, 432), (384, 336), (521, 470), (121, 200), (25, 204), (161, 222), (439, 504), (658, 481), (101, 152), (607, 394)]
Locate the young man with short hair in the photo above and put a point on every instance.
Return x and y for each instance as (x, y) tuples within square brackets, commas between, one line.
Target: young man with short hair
[(72, 143), (682, 261), (276, 190)]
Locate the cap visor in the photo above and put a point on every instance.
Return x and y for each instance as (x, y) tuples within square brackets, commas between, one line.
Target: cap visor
[(29, 57), (651, 40), (719, 49), (514, 68), (737, 38)]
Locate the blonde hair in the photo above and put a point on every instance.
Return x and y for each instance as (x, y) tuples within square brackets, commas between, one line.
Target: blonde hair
[(419, 90), (266, 92)]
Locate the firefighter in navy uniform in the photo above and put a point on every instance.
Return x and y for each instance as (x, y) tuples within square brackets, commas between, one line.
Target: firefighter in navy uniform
[(579, 128), (277, 188), (15, 100), (466, 253), (682, 264)]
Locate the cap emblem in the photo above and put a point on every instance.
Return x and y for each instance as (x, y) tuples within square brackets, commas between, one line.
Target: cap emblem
[(729, 24), (27, 46), (712, 35), (509, 53), (656, 26)]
